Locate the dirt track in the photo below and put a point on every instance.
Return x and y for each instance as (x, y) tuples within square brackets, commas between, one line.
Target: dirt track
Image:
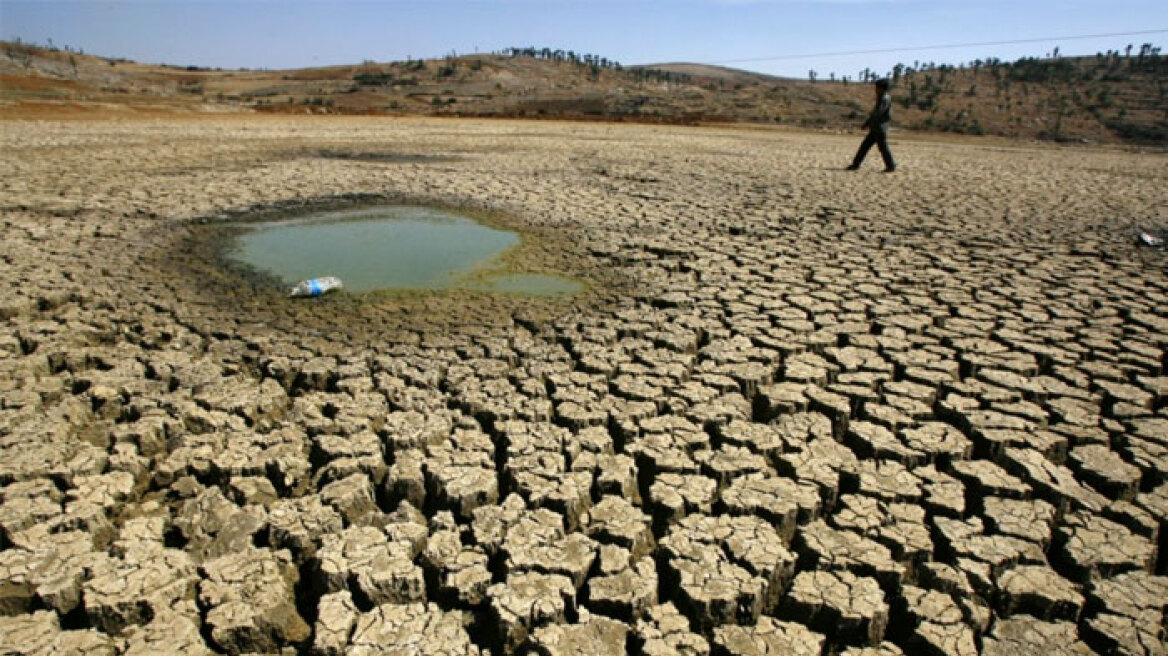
[(803, 410)]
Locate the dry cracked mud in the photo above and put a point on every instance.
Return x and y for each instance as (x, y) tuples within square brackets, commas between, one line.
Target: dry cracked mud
[(799, 410)]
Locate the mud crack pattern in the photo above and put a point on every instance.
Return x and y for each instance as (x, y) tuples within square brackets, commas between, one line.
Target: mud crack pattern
[(801, 411)]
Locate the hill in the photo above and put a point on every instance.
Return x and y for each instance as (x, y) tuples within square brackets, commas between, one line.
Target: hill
[(1110, 98)]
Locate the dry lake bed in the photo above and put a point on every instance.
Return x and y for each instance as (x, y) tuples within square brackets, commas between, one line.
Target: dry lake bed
[(795, 410)]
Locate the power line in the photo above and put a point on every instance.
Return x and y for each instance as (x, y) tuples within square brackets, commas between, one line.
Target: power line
[(938, 47)]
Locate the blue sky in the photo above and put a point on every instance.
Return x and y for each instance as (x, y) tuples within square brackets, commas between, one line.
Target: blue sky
[(298, 33)]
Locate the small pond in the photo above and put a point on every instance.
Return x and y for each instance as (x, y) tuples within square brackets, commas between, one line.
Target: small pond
[(399, 247)]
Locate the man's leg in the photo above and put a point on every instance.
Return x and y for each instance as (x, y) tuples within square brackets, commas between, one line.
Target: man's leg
[(885, 153), (865, 146)]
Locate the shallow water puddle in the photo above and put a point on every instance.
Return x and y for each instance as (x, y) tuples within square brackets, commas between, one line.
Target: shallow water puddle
[(390, 247)]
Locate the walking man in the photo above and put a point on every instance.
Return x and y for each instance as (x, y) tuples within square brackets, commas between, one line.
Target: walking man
[(877, 124)]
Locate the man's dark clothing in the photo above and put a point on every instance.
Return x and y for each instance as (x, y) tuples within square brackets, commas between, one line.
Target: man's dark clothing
[(877, 125)]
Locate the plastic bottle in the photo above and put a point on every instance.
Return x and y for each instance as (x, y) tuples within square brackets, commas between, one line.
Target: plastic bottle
[(315, 286)]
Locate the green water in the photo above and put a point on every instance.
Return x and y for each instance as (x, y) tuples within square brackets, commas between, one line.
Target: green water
[(391, 247)]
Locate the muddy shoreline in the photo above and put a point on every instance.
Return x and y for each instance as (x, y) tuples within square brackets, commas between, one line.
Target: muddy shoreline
[(196, 258)]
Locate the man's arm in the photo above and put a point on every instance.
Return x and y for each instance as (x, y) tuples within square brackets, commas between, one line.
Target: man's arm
[(883, 111), (874, 116)]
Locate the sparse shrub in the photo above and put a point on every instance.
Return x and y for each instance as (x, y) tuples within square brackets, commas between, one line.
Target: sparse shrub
[(373, 79)]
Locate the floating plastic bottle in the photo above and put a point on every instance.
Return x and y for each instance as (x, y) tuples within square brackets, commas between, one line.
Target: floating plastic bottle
[(316, 286)]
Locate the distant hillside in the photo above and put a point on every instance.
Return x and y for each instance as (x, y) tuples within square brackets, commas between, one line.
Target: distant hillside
[(1111, 98), (711, 73)]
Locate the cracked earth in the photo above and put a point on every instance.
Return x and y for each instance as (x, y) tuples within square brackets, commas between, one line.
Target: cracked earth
[(800, 410)]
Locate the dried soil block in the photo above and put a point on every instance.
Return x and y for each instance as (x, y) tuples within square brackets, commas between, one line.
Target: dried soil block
[(1104, 470), (613, 474), (366, 562), (866, 360), (132, 590), (809, 368), (170, 632), (250, 602), (252, 490), (781, 501), (616, 521), (995, 553), (823, 462), (1143, 635), (526, 601), (1039, 591), (986, 479), (837, 407), (940, 442), (465, 580), (424, 628), (317, 374), (746, 542), (1022, 636), (1150, 456), (28, 503), (781, 399), (336, 617), (888, 416), (1089, 547), (1032, 521), (353, 498), (1131, 594), (567, 493), (848, 608), (300, 525), (660, 453), (47, 575), (712, 591), (406, 478), (108, 490), (598, 635), (936, 623), (899, 526), (410, 429), (944, 495), (459, 574), (626, 595), (30, 634), (580, 416), (769, 636), (822, 547), (491, 524), (871, 440), (666, 632), (762, 439), (1053, 483), (727, 463), (537, 542), (459, 488), (673, 496), (800, 428), (1129, 614), (60, 461)]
